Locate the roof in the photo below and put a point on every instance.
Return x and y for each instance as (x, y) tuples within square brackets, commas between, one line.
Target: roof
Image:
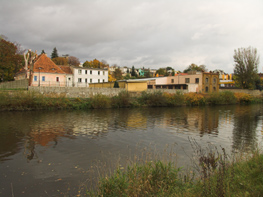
[(44, 64), (66, 69)]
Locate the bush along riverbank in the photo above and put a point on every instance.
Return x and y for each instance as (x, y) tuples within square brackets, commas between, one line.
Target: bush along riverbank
[(216, 175), (24, 100)]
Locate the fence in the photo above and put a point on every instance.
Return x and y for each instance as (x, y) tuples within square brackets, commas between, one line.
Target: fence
[(18, 84)]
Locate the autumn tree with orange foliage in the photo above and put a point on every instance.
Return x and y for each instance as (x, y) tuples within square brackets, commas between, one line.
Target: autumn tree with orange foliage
[(96, 64)]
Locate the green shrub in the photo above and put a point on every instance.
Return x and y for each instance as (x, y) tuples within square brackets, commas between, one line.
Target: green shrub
[(100, 101), (155, 99), (122, 100)]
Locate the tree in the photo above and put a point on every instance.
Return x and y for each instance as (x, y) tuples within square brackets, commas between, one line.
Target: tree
[(133, 73), (117, 74), (54, 53), (161, 71), (246, 67), (73, 61), (60, 61), (96, 64), (10, 61), (43, 52), (194, 67)]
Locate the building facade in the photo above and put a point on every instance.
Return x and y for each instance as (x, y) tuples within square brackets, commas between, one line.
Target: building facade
[(82, 76)]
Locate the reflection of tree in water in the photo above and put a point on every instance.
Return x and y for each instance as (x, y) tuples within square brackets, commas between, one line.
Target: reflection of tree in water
[(245, 125), (29, 151)]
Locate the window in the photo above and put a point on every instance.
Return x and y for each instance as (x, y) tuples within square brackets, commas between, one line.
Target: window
[(79, 80), (214, 80), (43, 78), (98, 72), (103, 81), (79, 72), (172, 81), (187, 80), (206, 79), (90, 72), (86, 71), (214, 88), (57, 79), (90, 80), (98, 80), (196, 80), (69, 78), (103, 72), (206, 89), (86, 80), (35, 78)]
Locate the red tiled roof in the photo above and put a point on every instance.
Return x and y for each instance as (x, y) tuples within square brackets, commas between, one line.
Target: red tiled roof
[(66, 69), (46, 65)]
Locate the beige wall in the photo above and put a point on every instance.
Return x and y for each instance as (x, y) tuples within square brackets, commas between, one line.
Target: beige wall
[(136, 86), (50, 79)]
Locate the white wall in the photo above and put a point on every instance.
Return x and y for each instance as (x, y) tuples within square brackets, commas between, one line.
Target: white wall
[(84, 76)]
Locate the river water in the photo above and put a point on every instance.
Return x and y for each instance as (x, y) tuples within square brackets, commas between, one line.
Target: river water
[(59, 153)]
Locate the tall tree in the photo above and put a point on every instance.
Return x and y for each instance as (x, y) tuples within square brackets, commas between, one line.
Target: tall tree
[(10, 61), (194, 67), (54, 54), (133, 73), (246, 67)]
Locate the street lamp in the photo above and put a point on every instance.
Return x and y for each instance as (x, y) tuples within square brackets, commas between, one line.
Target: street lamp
[(39, 76)]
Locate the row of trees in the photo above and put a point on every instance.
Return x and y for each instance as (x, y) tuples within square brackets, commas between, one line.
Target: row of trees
[(64, 60)]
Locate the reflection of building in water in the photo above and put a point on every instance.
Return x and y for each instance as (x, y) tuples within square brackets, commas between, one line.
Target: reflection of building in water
[(137, 120), (91, 126)]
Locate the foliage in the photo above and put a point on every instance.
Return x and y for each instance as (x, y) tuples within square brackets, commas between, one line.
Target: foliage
[(54, 53), (194, 67), (133, 73), (95, 64), (222, 98), (43, 52), (122, 100), (243, 98), (161, 71), (111, 78), (194, 99), (176, 99), (246, 67), (60, 61), (117, 74), (116, 84), (10, 61), (73, 61), (155, 99), (100, 101)]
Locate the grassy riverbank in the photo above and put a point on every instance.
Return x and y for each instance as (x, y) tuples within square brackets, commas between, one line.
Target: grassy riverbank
[(24, 100), (216, 175)]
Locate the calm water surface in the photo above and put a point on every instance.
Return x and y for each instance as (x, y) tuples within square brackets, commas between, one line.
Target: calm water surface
[(45, 153)]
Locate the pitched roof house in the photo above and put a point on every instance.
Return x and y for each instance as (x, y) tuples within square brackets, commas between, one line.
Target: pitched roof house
[(46, 73)]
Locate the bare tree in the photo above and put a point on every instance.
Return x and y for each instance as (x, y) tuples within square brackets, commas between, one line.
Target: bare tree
[(73, 61), (246, 67)]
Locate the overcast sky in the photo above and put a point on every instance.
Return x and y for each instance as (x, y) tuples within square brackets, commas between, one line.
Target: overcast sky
[(143, 33)]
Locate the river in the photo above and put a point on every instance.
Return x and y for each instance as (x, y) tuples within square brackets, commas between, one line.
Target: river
[(53, 153)]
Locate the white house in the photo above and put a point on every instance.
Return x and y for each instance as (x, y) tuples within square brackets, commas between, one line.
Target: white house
[(83, 76)]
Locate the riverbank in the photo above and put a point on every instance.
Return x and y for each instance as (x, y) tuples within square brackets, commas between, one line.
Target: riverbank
[(25, 100), (217, 175)]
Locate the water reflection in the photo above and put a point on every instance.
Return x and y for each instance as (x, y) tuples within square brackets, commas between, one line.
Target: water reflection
[(26, 130), (246, 122), (48, 146)]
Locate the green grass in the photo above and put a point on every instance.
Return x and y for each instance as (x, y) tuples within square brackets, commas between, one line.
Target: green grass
[(218, 176)]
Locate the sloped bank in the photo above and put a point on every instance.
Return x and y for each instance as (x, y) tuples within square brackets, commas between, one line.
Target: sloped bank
[(31, 100)]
